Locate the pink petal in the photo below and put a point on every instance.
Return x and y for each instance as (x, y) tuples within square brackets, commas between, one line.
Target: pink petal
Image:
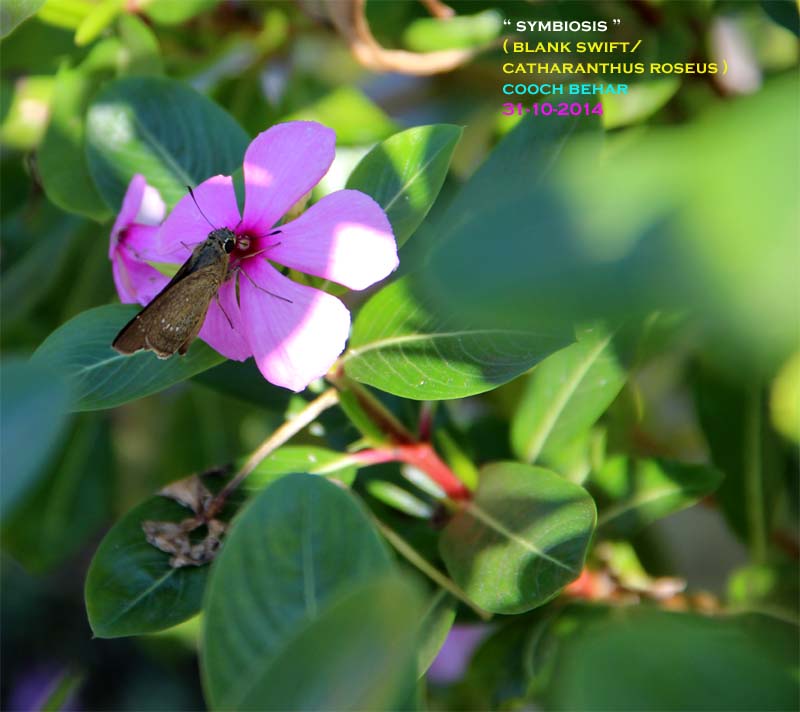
[(186, 227), (217, 331), (141, 242), (293, 343), (127, 213), (136, 281), (280, 166), (345, 237)]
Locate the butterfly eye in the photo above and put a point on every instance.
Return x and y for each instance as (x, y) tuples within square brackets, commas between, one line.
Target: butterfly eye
[(230, 244)]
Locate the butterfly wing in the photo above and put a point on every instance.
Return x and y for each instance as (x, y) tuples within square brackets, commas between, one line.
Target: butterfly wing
[(173, 319)]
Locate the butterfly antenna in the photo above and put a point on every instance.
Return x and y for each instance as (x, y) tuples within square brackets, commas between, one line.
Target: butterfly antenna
[(191, 192)]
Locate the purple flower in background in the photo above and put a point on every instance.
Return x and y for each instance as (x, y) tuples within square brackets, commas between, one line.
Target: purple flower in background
[(295, 332), (134, 241)]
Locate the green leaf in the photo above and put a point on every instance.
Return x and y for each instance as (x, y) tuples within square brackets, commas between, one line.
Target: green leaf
[(404, 174), (671, 661), (735, 423), (62, 159), (521, 540), (300, 567), (15, 12), (35, 405), (349, 112), (429, 34), (632, 493), (130, 588), (302, 458), (101, 377), (435, 625), (162, 129), (566, 394), (69, 504), (243, 380), (642, 100), (101, 16), (536, 232), (399, 347), (169, 12)]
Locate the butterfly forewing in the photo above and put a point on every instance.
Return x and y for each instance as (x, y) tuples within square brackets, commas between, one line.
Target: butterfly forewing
[(173, 319)]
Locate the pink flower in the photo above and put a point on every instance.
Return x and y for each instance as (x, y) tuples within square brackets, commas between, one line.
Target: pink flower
[(134, 241), (295, 332)]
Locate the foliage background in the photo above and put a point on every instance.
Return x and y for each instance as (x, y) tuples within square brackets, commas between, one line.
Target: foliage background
[(674, 219)]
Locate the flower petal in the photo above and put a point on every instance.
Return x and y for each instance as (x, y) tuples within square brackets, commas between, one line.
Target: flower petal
[(141, 242), (127, 213), (293, 343), (217, 331), (186, 227), (280, 166), (345, 237), (136, 281)]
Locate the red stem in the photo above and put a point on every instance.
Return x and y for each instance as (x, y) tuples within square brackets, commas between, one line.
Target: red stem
[(423, 457)]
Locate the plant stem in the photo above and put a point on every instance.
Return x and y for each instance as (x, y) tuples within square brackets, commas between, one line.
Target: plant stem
[(284, 433), (410, 554)]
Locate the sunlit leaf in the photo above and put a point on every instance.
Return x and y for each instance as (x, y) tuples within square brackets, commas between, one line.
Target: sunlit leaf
[(162, 129), (521, 540), (401, 348), (566, 394), (405, 172)]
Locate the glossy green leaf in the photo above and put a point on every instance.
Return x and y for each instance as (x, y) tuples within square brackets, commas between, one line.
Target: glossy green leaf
[(130, 587), (14, 12), (632, 493), (302, 458), (671, 661), (282, 600), (35, 403), (521, 540), (101, 377), (566, 394), (62, 159), (162, 129), (401, 348), (69, 504), (404, 174)]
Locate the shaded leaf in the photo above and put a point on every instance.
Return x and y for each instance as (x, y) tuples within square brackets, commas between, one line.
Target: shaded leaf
[(632, 493), (399, 347), (162, 129), (103, 378), (671, 661), (301, 566), (566, 394), (405, 172), (69, 504), (521, 540), (35, 403), (130, 587), (435, 625), (62, 159)]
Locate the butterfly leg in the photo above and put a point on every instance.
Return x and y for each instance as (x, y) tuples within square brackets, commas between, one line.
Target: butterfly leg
[(250, 279), (219, 304)]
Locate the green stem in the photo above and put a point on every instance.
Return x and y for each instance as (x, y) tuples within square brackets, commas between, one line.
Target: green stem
[(410, 554)]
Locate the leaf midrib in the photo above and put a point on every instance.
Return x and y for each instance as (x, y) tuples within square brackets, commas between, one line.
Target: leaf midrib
[(539, 437)]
